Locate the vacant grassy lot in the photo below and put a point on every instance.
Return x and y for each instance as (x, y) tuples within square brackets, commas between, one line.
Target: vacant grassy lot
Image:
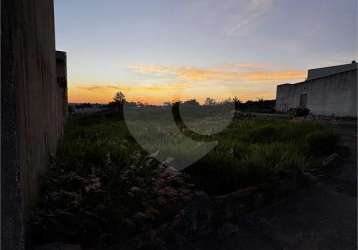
[(255, 152), (103, 187)]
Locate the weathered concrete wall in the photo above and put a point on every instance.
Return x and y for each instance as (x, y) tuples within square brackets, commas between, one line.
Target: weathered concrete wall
[(62, 102), (32, 108), (331, 95), (326, 71)]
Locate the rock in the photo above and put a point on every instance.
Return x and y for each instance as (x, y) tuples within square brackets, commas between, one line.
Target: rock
[(331, 161), (58, 246)]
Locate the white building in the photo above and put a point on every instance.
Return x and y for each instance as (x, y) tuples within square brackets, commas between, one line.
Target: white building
[(327, 91)]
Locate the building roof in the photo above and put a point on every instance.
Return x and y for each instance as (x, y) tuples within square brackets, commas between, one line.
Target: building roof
[(318, 73), (327, 71)]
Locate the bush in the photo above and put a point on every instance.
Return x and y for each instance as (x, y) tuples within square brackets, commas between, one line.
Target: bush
[(97, 184), (299, 112), (322, 142)]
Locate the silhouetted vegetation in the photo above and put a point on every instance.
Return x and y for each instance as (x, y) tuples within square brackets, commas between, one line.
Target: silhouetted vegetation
[(322, 142), (116, 106), (260, 106), (299, 112), (256, 152), (103, 188)]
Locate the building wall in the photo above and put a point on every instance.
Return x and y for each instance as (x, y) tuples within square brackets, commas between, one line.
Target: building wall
[(332, 95), (326, 71), (32, 119), (62, 100)]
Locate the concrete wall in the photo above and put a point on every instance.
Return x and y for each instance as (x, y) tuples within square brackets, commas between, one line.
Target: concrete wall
[(326, 71), (31, 108), (62, 101), (331, 95)]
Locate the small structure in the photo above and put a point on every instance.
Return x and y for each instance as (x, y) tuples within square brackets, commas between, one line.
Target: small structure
[(327, 91)]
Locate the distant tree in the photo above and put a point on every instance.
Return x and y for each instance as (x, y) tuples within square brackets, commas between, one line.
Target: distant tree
[(131, 104), (227, 101), (210, 101), (139, 104), (192, 102), (119, 98), (175, 110), (237, 103), (117, 104)]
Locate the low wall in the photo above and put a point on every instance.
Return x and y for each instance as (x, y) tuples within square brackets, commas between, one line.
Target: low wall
[(32, 108)]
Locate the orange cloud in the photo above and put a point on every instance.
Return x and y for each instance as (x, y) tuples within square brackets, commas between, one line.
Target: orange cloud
[(191, 82), (274, 75), (98, 93), (219, 74), (98, 87), (158, 94), (91, 93)]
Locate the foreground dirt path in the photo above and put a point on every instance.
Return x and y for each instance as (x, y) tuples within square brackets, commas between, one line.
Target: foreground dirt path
[(345, 178), (322, 217)]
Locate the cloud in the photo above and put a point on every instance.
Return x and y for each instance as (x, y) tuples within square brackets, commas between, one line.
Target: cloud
[(247, 16), (275, 75), (150, 93), (93, 87), (248, 66), (246, 80), (196, 74), (185, 72), (231, 17), (130, 88), (160, 93)]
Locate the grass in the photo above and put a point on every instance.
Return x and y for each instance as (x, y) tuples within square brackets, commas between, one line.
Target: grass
[(257, 152), (103, 187)]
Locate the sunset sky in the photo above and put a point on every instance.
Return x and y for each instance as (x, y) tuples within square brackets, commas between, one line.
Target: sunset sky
[(163, 50)]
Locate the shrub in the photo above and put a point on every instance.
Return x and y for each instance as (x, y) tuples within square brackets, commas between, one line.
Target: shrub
[(96, 185), (322, 142), (299, 112)]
